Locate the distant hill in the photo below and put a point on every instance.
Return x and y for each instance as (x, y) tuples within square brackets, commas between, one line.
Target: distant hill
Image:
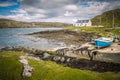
[(7, 23), (107, 18)]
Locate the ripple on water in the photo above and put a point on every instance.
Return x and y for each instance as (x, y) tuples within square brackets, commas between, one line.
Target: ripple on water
[(14, 37)]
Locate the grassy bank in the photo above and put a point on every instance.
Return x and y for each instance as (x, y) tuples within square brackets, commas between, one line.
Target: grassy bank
[(97, 30), (51, 71), (7, 23), (11, 69)]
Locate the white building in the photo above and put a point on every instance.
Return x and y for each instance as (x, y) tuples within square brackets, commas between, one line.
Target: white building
[(82, 23)]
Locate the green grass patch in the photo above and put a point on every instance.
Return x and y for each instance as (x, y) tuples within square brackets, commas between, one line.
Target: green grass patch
[(48, 70), (10, 67), (97, 30)]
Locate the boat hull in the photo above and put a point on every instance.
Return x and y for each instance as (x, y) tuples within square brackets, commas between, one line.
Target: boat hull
[(102, 43)]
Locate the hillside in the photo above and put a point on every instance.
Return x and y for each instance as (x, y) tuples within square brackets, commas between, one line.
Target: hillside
[(106, 18), (6, 23)]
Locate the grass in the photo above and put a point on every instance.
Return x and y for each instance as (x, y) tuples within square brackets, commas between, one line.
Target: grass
[(97, 30), (51, 71), (11, 69)]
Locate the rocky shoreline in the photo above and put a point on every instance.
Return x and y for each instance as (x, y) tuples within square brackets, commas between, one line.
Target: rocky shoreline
[(80, 44), (66, 36)]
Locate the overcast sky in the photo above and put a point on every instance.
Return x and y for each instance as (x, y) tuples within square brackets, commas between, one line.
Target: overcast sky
[(54, 10)]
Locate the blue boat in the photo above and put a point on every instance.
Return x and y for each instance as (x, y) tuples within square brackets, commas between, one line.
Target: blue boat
[(103, 42)]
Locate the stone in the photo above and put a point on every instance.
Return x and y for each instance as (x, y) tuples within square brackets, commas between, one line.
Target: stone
[(27, 69), (38, 52), (46, 55), (24, 61), (56, 58), (68, 60), (116, 40), (62, 59)]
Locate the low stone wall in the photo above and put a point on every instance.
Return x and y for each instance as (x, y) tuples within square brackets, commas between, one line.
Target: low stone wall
[(107, 57), (90, 55)]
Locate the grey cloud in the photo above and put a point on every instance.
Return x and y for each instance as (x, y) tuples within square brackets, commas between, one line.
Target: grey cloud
[(48, 4), (75, 8), (113, 5)]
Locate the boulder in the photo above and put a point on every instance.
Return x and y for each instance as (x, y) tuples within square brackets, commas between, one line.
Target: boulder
[(56, 58), (27, 71), (38, 52), (62, 59), (46, 55)]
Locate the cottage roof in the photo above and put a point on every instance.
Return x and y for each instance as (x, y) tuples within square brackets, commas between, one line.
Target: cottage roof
[(82, 21)]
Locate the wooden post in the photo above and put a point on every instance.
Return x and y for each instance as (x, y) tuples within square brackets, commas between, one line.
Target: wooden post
[(113, 21), (100, 20)]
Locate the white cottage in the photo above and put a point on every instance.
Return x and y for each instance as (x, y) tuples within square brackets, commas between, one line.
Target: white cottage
[(82, 23)]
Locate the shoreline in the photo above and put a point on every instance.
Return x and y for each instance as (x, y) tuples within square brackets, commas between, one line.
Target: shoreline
[(66, 36), (37, 27), (79, 42)]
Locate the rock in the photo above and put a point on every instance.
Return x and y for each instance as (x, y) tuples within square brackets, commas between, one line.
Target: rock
[(38, 52), (62, 51), (62, 59), (5, 48), (56, 58), (23, 60), (46, 55), (68, 60), (116, 40), (27, 69)]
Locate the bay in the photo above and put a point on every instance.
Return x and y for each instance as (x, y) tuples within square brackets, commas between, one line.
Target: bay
[(15, 37)]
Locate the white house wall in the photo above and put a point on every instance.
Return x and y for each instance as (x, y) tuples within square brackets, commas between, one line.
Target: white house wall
[(83, 24)]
